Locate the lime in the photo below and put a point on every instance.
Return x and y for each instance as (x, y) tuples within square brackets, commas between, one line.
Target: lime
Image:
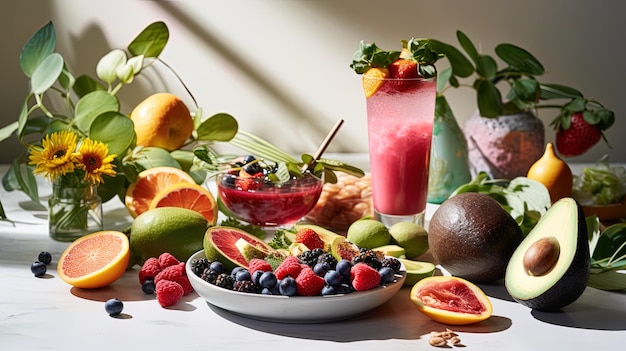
[(176, 230), (368, 234), (412, 237)]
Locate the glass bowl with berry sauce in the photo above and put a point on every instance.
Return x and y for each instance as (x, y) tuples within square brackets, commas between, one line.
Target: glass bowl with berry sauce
[(250, 196)]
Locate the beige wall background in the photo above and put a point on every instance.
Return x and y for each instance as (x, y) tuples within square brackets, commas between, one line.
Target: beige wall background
[(281, 67)]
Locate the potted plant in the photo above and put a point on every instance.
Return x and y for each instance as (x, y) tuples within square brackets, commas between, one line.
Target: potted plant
[(504, 135)]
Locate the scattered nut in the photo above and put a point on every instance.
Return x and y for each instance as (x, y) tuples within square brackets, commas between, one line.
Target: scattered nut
[(440, 339)]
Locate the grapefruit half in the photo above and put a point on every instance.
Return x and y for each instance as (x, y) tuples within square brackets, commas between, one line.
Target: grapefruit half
[(95, 260), (188, 195)]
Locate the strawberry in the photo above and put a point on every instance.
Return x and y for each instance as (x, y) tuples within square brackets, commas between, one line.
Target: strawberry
[(309, 238), (578, 138), (246, 181), (405, 70), (308, 283), (364, 277)]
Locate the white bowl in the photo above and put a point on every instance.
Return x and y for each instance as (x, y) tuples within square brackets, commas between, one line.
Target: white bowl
[(294, 309)]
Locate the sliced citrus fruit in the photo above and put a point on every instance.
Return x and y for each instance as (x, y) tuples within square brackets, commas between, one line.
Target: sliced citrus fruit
[(150, 182), (373, 79), (188, 195), (95, 260), (451, 300)]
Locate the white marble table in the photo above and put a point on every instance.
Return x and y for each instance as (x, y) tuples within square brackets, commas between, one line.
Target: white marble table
[(47, 314)]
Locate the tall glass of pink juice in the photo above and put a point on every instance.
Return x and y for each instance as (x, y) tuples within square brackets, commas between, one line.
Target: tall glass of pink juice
[(400, 117)]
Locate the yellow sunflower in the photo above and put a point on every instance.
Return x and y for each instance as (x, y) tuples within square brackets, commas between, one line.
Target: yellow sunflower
[(54, 157), (93, 158)]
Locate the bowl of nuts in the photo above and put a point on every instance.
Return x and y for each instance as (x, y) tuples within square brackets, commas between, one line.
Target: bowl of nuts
[(342, 203)]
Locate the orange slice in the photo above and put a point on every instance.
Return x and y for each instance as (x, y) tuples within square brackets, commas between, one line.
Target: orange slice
[(373, 79), (150, 182), (188, 195), (95, 260)]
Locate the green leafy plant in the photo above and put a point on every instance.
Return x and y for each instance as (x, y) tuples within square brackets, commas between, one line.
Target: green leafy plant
[(608, 255)]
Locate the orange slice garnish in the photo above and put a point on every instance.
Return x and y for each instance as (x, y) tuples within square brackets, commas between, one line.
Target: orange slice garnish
[(373, 80)]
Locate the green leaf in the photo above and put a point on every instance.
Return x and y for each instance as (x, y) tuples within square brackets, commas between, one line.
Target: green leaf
[(443, 78), (489, 100), (526, 90), (593, 231), (66, 79), (467, 45), (460, 65), (575, 105), (8, 130), (611, 242), (86, 84), (23, 176), (558, 91), (612, 280), (46, 73), (150, 157), (486, 67), (519, 59), (114, 129), (151, 41), (92, 105), (111, 187), (23, 118), (219, 127), (37, 48)]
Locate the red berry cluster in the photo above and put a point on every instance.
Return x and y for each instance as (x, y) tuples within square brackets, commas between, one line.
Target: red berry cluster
[(166, 276)]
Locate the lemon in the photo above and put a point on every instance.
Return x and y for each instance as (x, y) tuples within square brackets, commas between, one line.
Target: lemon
[(176, 230), (368, 234), (412, 237)]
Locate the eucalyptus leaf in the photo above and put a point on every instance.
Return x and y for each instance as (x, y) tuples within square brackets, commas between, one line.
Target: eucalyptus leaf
[(37, 48), (46, 73), (219, 127), (114, 129), (151, 41), (85, 85), (92, 105)]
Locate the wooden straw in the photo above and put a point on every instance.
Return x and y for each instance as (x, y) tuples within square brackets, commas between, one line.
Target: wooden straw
[(329, 137)]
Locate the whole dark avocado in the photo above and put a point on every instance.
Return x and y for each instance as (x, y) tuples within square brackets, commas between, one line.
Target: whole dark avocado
[(550, 268), (471, 236)]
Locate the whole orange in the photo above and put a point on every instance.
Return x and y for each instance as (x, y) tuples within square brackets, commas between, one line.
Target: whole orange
[(554, 173), (162, 120)]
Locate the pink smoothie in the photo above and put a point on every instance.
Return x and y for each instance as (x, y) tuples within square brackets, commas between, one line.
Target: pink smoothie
[(399, 131)]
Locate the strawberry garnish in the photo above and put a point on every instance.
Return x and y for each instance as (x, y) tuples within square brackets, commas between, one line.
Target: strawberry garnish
[(309, 238), (247, 181), (407, 74), (578, 132)]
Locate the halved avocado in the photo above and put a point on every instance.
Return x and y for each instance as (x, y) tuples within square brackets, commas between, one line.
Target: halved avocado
[(550, 268)]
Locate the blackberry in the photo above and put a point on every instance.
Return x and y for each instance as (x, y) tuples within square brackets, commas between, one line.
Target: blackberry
[(368, 257), (327, 257), (199, 265), (392, 263), (246, 286), (209, 276), (225, 281), (310, 257)]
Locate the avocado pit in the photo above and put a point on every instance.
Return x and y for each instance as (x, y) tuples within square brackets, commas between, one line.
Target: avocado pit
[(541, 256)]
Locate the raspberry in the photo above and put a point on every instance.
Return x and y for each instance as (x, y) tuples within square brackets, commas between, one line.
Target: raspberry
[(309, 238), (257, 264), (290, 266), (166, 259), (308, 283), (149, 269), (175, 273), (168, 292), (364, 277)]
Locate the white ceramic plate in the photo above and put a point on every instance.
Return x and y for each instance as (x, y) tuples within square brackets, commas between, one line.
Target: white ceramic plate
[(295, 309)]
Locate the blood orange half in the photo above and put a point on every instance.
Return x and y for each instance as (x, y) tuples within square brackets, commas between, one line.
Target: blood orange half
[(219, 245), (150, 182), (188, 195), (95, 260), (451, 300)]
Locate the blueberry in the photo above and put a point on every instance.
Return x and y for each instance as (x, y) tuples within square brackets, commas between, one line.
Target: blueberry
[(38, 268), (332, 278), (267, 280), (248, 159), (321, 268), (113, 307), (45, 257), (148, 287), (271, 291), (329, 290), (243, 274), (387, 275), (217, 267), (344, 289), (343, 268), (228, 180), (253, 168), (287, 286), (256, 277), (235, 270)]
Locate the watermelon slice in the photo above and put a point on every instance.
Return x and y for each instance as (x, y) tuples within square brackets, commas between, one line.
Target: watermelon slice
[(219, 245)]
